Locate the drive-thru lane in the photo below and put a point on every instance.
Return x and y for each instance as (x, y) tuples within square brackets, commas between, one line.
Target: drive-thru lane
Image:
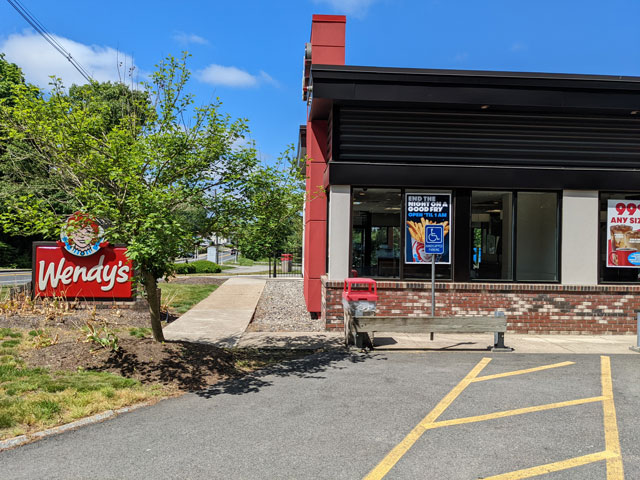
[(335, 415)]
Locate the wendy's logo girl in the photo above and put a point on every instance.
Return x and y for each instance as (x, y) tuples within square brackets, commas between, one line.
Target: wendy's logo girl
[(81, 235)]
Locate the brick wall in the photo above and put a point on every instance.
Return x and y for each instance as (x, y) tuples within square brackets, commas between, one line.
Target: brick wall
[(530, 308)]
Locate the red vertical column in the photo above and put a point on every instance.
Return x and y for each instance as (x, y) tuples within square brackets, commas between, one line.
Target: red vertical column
[(327, 48)]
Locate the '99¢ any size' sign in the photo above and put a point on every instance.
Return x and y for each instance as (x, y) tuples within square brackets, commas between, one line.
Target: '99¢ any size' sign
[(623, 234)]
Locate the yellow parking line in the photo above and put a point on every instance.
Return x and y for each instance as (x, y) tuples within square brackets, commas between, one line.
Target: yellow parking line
[(553, 467), (615, 470), (510, 413), (521, 372), (399, 450)]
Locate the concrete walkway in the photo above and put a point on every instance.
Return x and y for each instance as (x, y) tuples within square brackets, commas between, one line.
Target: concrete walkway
[(521, 343), (389, 342), (222, 317)]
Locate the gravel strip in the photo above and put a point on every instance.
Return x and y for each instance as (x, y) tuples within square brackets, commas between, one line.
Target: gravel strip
[(281, 308)]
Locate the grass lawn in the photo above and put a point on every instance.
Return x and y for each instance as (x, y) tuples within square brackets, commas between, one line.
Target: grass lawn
[(32, 399), (247, 262), (181, 297)]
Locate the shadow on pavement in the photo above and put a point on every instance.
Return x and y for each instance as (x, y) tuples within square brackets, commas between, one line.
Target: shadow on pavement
[(209, 370), (310, 367)]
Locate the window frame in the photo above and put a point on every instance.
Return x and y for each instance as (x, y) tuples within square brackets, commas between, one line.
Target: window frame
[(454, 240), (514, 240)]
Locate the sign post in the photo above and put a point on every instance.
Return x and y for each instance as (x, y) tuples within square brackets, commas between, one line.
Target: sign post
[(433, 245)]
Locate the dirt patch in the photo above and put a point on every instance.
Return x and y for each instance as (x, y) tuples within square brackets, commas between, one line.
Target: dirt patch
[(180, 365)]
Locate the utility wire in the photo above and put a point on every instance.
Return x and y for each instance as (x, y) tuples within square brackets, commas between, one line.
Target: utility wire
[(38, 27)]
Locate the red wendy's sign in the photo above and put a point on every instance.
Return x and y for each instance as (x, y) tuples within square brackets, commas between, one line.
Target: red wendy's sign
[(106, 274), (82, 264)]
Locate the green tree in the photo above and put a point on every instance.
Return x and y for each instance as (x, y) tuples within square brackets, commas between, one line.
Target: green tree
[(273, 206), (15, 250), (138, 170)]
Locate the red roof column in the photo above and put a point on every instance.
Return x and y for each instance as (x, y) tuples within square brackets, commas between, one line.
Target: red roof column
[(327, 48)]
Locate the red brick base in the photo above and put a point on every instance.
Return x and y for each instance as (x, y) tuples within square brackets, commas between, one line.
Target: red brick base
[(530, 308)]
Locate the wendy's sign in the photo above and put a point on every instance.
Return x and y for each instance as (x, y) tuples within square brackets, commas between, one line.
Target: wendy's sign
[(81, 264)]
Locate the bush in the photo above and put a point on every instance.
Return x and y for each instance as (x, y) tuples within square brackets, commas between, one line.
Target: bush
[(205, 266), (184, 268), (199, 266)]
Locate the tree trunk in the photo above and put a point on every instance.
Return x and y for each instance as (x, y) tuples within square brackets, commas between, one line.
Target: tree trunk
[(151, 288)]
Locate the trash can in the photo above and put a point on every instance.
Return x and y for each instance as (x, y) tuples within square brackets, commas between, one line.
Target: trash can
[(359, 298), (285, 261)]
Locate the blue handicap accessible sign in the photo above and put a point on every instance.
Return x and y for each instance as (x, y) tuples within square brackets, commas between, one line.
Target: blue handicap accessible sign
[(434, 239)]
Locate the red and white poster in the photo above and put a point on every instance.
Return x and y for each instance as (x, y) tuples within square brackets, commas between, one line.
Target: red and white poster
[(623, 234), (82, 264)]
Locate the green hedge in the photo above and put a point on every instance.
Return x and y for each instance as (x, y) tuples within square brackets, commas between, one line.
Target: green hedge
[(199, 266)]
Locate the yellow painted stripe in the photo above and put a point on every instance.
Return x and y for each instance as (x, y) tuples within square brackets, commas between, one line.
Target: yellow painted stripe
[(510, 413), (15, 274), (615, 470), (403, 447), (552, 467), (521, 372)]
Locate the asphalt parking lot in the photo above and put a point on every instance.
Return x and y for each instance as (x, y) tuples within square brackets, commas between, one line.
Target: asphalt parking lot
[(439, 415)]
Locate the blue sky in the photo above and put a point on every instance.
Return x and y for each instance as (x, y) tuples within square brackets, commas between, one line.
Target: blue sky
[(249, 53)]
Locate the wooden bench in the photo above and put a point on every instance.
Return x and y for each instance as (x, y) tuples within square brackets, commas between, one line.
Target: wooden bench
[(360, 329)]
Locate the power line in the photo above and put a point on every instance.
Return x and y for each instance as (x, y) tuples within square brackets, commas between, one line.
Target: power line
[(38, 27)]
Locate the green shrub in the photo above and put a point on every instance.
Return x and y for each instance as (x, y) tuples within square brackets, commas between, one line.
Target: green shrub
[(205, 266), (198, 266), (184, 268)]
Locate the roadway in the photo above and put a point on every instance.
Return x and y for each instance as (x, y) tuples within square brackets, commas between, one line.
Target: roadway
[(11, 278)]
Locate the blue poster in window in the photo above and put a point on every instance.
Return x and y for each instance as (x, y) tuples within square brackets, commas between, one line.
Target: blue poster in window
[(424, 210)]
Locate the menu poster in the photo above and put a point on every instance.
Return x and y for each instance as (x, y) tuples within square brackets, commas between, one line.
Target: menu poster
[(424, 209), (623, 234)]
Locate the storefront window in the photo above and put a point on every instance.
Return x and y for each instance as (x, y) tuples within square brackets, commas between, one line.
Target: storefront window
[(615, 266), (514, 235), (492, 235), (375, 237), (537, 237)]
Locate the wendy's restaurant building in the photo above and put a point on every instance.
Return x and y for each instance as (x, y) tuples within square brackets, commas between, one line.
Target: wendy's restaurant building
[(533, 178)]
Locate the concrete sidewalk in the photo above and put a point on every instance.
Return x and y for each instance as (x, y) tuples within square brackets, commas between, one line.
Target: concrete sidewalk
[(222, 317), (521, 343)]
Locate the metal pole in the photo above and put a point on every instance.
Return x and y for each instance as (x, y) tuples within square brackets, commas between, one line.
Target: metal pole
[(637, 347), (433, 287)]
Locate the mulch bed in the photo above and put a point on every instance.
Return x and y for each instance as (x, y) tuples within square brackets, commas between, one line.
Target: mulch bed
[(181, 366)]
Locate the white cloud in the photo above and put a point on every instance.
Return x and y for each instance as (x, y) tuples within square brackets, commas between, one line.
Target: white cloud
[(269, 79), (234, 77), (39, 60), (186, 38), (518, 47), (357, 8)]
